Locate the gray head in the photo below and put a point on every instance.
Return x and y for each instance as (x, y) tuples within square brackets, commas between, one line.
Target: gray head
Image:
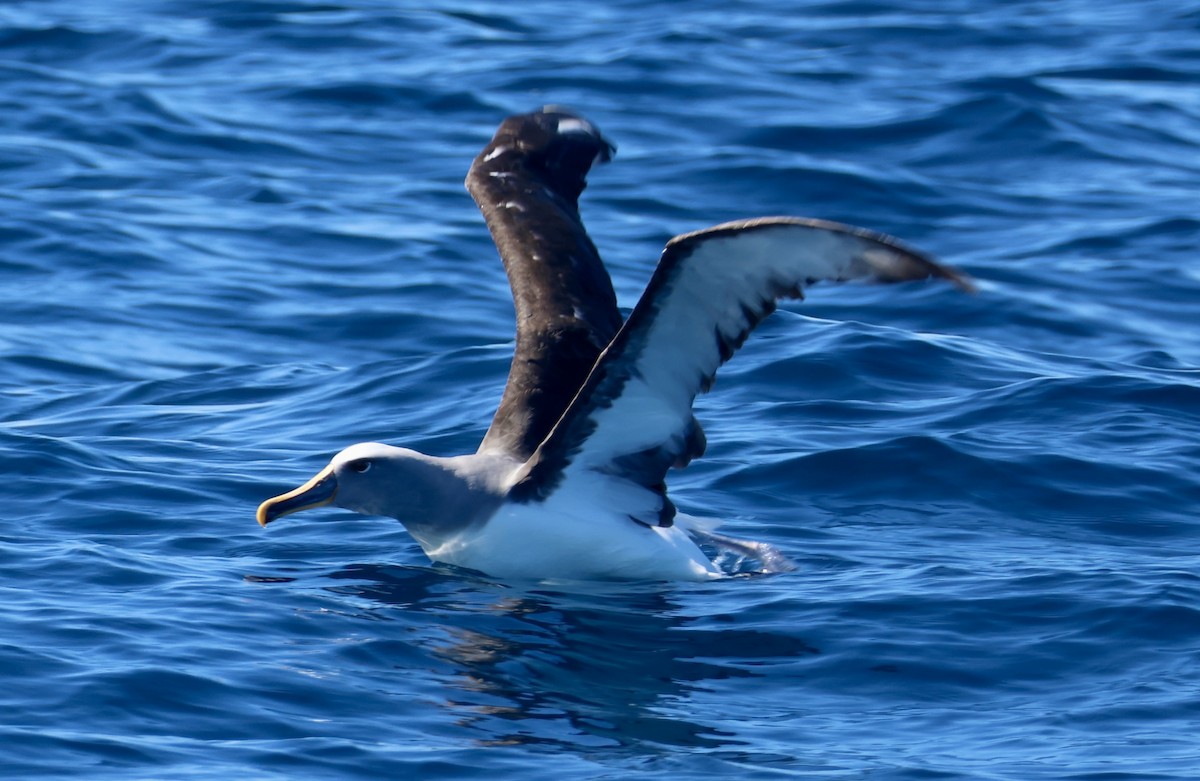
[(433, 497)]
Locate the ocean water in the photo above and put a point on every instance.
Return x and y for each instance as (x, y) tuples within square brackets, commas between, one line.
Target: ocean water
[(234, 239)]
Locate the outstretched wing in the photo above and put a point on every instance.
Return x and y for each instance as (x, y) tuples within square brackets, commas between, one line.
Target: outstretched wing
[(527, 183), (711, 288)]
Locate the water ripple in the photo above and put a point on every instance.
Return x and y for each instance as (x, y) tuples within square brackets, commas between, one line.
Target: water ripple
[(234, 239)]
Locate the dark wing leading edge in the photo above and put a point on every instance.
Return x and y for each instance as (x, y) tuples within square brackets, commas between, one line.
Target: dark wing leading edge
[(527, 183), (711, 288)]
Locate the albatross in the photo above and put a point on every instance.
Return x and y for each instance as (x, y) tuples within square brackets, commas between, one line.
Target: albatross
[(569, 481)]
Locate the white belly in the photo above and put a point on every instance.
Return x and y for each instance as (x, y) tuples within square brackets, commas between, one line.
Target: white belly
[(546, 541)]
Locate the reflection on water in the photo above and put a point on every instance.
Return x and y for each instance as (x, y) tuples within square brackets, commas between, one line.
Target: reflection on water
[(592, 666)]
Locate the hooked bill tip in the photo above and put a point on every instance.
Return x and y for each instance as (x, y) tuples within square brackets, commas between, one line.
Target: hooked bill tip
[(317, 492)]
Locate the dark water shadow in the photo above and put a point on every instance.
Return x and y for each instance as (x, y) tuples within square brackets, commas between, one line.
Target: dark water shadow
[(579, 666)]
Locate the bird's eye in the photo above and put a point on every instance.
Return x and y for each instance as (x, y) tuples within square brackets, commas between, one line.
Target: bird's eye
[(360, 465)]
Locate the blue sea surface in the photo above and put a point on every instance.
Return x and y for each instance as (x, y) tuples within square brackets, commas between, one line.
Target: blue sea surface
[(234, 239)]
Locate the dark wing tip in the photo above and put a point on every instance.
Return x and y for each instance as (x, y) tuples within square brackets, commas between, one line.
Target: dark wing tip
[(553, 143), (570, 127), (892, 261), (569, 148)]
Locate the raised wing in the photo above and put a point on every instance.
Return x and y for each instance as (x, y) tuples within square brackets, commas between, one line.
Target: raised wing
[(527, 183), (711, 288)]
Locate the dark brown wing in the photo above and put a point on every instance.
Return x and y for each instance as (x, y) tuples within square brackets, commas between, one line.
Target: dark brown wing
[(527, 183)]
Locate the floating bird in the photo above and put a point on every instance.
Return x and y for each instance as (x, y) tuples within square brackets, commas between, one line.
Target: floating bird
[(569, 480)]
